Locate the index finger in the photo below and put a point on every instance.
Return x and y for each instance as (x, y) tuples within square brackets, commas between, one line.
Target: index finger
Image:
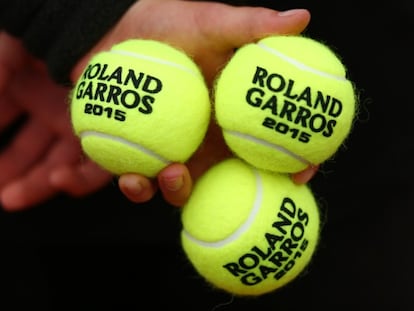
[(12, 55)]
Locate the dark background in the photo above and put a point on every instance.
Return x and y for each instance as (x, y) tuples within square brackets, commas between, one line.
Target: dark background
[(103, 252)]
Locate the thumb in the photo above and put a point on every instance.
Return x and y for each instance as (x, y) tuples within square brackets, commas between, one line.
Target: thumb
[(227, 28), (12, 57), (242, 25)]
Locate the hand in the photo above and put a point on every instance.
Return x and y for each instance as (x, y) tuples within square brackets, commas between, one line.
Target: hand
[(43, 157), (209, 32)]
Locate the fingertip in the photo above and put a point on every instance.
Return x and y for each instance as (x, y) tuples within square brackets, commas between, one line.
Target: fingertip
[(306, 175), (136, 188), (79, 179), (175, 184), (12, 198), (301, 13), (290, 22), (276, 22), (58, 176)]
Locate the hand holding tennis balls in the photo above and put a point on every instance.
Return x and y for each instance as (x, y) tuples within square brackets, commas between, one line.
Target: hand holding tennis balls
[(284, 103), (139, 107)]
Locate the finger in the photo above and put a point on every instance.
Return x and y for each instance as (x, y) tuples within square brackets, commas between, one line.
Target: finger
[(238, 26), (137, 188), (39, 184), (42, 98), (34, 187), (26, 148), (9, 113), (228, 28), (74, 173), (80, 179), (175, 184), (212, 151), (12, 57), (26, 192), (306, 175)]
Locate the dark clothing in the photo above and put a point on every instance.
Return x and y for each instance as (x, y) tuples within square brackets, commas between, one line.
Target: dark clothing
[(60, 32)]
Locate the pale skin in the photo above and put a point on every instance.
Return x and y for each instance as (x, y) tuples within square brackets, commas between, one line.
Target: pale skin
[(44, 157)]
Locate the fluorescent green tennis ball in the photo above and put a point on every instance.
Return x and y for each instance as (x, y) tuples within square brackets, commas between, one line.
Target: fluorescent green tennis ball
[(140, 106), (249, 231), (285, 103)]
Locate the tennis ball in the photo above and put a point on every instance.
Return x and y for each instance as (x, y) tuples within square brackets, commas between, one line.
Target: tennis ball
[(284, 103), (249, 231), (140, 106)]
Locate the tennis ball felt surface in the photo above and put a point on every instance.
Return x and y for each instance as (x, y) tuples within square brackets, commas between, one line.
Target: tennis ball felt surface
[(249, 231), (140, 106), (285, 103)]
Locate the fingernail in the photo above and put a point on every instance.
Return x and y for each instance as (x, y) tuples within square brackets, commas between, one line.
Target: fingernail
[(289, 12), (133, 186), (173, 183)]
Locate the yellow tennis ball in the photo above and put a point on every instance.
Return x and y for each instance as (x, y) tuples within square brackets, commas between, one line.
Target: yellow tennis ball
[(140, 106), (285, 103), (249, 231)]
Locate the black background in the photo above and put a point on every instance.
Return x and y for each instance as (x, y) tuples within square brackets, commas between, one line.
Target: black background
[(103, 252)]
